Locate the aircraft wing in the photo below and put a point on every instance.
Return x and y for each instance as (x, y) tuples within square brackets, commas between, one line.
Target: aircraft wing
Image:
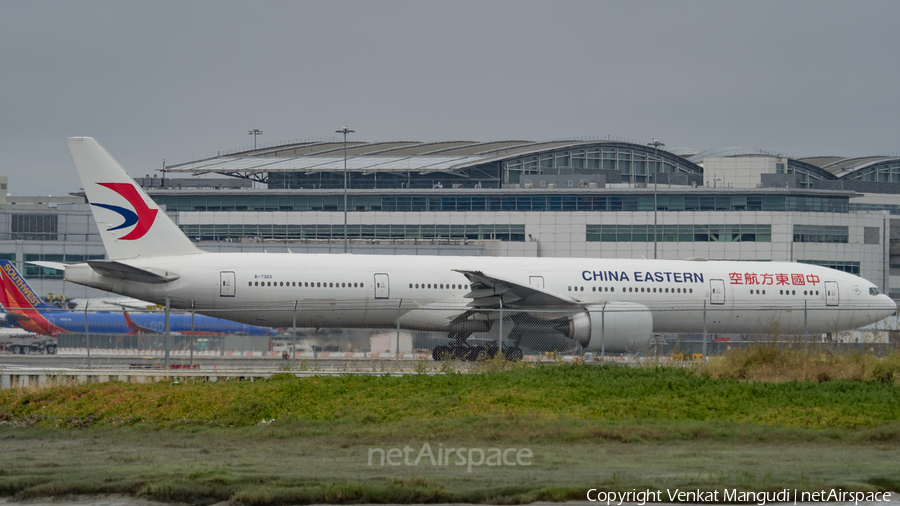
[(488, 291), (129, 303)]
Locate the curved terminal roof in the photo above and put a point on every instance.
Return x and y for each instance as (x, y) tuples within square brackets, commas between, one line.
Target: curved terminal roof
[(398, 156), (683, 151), (725, 152), (458, 155), (821, 161), (847, 171)]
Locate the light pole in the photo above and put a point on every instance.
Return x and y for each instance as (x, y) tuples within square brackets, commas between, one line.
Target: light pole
[(656, 144), (254, 133), (345, 131)]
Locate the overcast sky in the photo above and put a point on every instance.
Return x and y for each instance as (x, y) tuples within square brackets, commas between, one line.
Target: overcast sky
[(179, 80)]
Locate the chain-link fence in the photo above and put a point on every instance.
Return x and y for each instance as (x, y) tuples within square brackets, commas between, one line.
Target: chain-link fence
[(323, 332)]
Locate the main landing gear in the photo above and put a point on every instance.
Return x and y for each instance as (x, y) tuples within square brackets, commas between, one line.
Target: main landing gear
[(461, 350), (475, 353)]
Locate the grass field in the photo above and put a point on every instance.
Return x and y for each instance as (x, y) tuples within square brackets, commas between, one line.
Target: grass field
[(269, 465), (288, 440)]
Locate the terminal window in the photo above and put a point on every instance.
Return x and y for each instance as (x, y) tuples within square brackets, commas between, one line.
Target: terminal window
[(34, 227)]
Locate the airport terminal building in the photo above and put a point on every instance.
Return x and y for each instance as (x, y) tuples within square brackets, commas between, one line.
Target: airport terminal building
[(577, 198)]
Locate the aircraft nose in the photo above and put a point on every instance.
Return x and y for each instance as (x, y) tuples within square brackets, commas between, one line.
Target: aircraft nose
[(889, 304)]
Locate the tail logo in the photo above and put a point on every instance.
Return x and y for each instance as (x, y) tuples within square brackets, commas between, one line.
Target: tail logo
[(142, 217), (21, 285)]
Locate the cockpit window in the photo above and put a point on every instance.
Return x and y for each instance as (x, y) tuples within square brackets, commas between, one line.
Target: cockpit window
[(874, 291)]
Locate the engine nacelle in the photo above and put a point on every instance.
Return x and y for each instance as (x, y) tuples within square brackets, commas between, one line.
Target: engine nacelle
[(616, 327)]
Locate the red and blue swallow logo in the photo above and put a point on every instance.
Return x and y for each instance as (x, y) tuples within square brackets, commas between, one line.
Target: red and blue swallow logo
[(142, 216)]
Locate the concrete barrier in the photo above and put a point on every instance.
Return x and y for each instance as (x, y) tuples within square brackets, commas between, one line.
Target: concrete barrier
[(102, 352), (35, 377)]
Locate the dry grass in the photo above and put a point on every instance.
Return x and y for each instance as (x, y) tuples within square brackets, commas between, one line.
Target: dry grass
[(279, 464), (777, 362)]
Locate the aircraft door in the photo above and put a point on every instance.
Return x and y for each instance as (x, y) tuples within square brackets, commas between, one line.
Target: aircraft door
[(716, 291), (382, 286), (536, 281), (832, 296), (226, 284)]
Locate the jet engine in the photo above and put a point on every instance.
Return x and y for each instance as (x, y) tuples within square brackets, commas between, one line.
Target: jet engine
[(616, 327)]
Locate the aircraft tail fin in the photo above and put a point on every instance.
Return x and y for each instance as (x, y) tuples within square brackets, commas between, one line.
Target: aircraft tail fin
[(15, 294), (131, 224)]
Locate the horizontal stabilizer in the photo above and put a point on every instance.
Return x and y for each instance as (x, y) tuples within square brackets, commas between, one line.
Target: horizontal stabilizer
[(124, 271), (135, 328), (17, 318), (49, 265)]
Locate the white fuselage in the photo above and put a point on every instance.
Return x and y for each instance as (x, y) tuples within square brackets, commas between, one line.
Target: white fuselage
[(426, 292)]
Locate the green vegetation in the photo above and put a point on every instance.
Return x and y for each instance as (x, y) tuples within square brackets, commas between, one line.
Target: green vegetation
[(776, 362), (295, 441), (522, 403)]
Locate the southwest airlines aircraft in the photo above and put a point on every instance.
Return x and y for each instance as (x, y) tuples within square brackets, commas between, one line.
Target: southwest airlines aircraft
[(26, 310), (614, 304)]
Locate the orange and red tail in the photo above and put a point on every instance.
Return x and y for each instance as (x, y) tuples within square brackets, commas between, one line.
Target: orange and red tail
[(22, 305)]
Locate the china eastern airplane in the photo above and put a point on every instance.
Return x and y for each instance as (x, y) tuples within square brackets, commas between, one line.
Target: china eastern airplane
[(26, 310), (609, 304)]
